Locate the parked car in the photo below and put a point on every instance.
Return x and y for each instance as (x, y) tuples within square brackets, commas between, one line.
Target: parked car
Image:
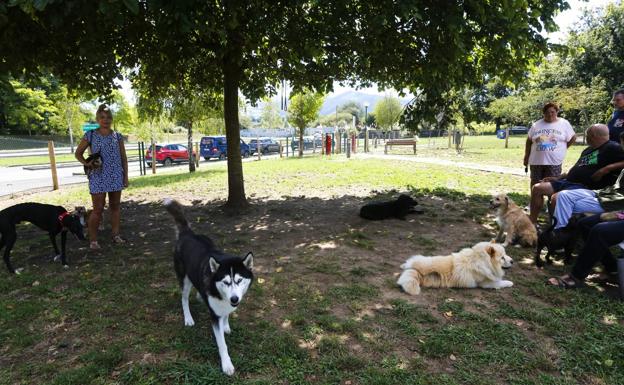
[(267, 145), (308, 143), (168, 154), (518, 130), (216, 147), (372, 134)]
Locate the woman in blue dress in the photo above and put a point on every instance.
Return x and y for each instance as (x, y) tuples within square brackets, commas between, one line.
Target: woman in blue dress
[(109, 178)]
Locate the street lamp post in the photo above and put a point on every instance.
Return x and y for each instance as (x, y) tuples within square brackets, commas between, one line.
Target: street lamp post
[(365, 127)]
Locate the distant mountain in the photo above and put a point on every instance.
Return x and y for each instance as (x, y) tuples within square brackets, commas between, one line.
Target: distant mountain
[(330, 104)]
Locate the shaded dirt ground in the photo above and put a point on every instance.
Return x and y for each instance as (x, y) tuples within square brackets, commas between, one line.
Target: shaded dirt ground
[(325, 278)]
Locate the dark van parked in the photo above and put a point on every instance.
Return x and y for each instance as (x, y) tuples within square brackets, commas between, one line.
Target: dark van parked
[(216, 147)]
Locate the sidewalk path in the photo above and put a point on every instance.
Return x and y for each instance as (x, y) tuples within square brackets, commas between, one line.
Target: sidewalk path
[(445, 162)]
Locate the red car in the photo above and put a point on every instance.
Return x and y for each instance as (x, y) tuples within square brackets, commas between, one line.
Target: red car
[(168, 154)]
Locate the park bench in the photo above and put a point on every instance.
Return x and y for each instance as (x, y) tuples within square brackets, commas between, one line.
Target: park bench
[(400, 142)]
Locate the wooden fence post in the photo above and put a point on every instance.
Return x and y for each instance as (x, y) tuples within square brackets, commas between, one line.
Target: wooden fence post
[(196, 154), (348, 146), (55, 184), (507, 137)]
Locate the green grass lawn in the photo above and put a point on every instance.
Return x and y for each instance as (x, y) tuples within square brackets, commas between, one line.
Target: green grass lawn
[(324, 307), (38, 159), (488, 150)]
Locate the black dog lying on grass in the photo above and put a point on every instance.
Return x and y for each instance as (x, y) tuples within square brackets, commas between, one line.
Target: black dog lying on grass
[(553, 240), (53, 219), (397, 208)]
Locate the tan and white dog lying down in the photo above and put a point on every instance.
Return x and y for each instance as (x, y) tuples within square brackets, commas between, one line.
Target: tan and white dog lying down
[(479, 266)]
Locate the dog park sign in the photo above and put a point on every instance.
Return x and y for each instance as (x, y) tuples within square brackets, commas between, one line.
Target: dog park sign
[(90, 126)]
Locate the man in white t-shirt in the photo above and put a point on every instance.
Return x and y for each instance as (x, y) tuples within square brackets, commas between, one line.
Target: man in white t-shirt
[(547, 144)]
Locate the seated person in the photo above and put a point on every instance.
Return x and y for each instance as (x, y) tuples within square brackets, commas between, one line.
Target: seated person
[(597, 167), (577, 201), (599, 236)]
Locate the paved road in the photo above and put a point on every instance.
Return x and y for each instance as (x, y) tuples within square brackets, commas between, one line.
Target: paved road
[(44, 151), (20, 179)]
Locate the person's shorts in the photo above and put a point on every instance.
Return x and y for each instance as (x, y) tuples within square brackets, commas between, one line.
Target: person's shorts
[(539, 172), (564, 184)]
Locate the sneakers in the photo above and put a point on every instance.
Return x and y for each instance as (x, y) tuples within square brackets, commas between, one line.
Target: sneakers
[(118, 239)]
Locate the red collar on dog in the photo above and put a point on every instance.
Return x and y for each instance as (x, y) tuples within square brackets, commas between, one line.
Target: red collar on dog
[(61, 217)]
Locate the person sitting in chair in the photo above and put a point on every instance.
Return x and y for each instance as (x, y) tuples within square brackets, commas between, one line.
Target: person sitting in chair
[(576, 201), (598, 167), (600, 231)]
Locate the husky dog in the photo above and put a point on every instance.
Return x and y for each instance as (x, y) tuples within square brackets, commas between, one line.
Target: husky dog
[(221, 279), (479, 266), (512, 220), (52, 219), (397, 208)]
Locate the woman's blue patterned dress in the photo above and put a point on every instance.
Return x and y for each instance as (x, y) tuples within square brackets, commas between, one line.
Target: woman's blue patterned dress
[(109, 177)]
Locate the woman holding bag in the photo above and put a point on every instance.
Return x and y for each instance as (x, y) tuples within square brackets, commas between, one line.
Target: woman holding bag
[(111, 177)]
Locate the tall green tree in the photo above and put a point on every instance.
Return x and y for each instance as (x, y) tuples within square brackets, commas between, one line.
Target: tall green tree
[(387, 112), (270, 117), (152, 119), (335, 119), (29, 109), (126, 117), (190, 107), (251, 46), (304, 109), (594, 49), (353, 108), (71, 115)]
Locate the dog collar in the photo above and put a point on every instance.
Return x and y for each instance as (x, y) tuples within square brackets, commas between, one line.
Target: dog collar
[(61, 217)]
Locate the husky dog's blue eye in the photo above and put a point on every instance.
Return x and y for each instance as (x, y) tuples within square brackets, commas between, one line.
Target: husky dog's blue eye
[(239, 281), (227, 283)]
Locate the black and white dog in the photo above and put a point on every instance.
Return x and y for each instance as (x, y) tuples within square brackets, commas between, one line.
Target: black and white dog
[(53, 219), (221, 279), (397, 208)]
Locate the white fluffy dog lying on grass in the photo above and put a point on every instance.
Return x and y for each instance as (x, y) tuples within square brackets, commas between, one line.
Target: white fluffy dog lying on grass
[(479, 266)]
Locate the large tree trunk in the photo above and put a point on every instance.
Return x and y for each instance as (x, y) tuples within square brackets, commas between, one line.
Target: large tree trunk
[(231, 75), (301, 142), (190, 147)]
